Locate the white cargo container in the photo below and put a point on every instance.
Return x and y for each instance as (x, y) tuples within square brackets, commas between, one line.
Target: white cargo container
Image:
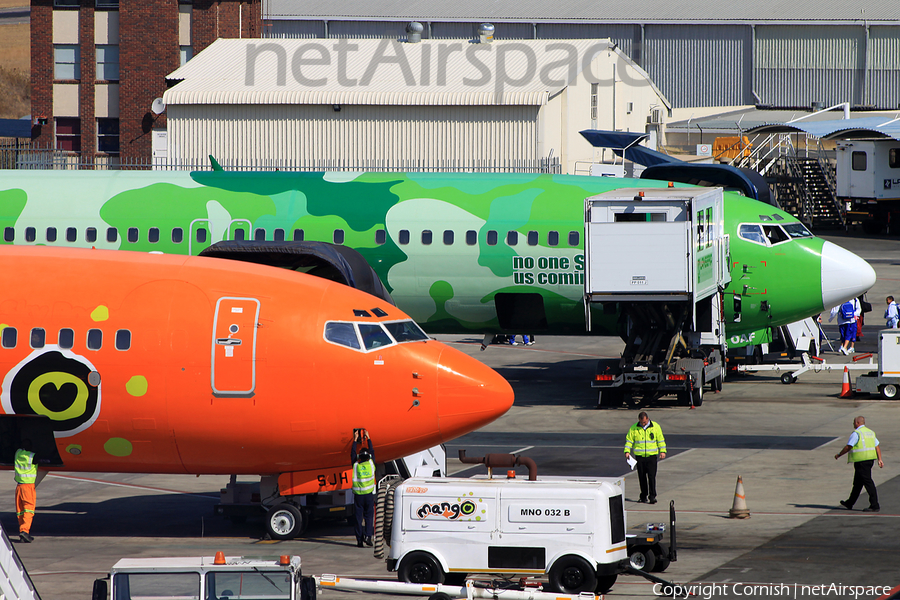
[(572, 530)]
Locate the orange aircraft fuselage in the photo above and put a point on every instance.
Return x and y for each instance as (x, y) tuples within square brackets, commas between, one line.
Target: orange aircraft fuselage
[(153, 363)]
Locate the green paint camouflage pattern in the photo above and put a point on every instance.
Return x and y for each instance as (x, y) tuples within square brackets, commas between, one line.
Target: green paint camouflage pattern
[(445, 288)]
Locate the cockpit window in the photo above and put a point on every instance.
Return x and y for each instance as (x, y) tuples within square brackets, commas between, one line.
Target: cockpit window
[(343, 334), (752, 233), (405, 331), (775, 234), (373, 336), (797, 230)]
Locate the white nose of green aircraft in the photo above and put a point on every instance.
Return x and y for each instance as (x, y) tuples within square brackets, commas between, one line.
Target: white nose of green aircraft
[(844, 275)]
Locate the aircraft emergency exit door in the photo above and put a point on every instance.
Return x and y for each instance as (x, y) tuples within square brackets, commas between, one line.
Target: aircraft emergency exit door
[(234, 347)]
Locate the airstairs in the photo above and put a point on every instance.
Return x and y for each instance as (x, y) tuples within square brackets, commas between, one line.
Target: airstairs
[(804, 179), (15, 584)]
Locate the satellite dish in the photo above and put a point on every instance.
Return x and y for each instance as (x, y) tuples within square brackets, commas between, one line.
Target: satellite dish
[(158, 106)]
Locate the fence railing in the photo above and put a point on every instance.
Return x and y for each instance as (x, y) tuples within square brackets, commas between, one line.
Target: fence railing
[(27, 157)]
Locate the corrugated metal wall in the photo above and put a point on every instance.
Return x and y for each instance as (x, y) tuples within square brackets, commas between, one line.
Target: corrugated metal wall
[(798, 65), (364, 137), (699, 65), (707, 65)]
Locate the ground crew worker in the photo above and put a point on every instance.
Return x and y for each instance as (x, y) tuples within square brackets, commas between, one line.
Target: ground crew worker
[(26, 476), (646, 442), (363, 488), (864, 449)]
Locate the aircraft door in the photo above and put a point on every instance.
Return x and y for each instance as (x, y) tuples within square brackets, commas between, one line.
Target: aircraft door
[(234, 347), (201, 236)]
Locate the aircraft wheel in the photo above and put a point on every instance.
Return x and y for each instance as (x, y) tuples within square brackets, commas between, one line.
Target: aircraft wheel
[(889, 391), (788, 378), (420, 567), (285, 521), (572, 575)]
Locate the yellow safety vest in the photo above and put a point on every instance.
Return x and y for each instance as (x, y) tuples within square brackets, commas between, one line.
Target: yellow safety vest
[(364, 477), (26, 471), (645, 442), (865, 446)]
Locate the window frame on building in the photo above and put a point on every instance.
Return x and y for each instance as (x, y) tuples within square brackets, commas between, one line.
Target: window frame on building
[(59, 59)]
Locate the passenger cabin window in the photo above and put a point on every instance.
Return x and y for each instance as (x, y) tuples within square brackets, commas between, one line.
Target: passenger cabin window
[(123, 339), (492, 238), (260, 235), (380, 237), (405, 331), (797, 230), (133, 235), (51, 234), (574, 239), (751, 233), (201, 235), (9, 234), (90, 234), (177, 235), (471, 237), (94, 339), (9, 337), (373, 336), (426, 238), (512, 238), (112, 234), (71, 234), (858, 161), (66, 339), (30, 234), (343, 334), (553, 238), (38, 337), (278, 235), (298, 235), (153, 235), (448, 237), (533, 238), (403, 237), (338, 236), (775, 234), (240, 235)]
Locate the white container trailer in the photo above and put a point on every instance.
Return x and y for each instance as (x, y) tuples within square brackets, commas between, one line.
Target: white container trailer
[(886, 381), (867, 174), (572, 530)]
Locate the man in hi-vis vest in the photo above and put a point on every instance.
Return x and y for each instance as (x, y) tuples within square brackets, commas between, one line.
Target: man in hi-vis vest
[(363, 487), (864, 449), (26, 476), (646, 442)]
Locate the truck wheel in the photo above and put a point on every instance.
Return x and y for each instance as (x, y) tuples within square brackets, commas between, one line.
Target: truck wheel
[(420, 567), (572, 575), (889, 391), (662, 563), (717, 384), (285, 521), (605, 583), (642, 560), (697, 395)]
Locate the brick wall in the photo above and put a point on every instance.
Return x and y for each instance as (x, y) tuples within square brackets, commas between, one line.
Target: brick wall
[(42, 69), (88, 75)]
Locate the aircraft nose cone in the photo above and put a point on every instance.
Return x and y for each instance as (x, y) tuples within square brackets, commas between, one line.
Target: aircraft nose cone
[(470, 394), (844, 275)]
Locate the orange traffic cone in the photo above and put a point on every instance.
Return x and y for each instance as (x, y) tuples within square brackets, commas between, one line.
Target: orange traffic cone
[(846, 390), (739, 508)]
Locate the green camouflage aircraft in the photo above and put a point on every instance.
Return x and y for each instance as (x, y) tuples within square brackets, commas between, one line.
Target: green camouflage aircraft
[(459, 252)]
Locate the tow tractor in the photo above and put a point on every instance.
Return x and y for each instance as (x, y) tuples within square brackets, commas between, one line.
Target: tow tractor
[(658, 257)]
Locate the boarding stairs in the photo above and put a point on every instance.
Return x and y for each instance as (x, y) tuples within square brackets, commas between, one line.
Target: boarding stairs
[(803, 181), (15, 584)]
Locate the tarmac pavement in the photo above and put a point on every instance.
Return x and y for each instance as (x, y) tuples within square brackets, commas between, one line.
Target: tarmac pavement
[(780, 438)]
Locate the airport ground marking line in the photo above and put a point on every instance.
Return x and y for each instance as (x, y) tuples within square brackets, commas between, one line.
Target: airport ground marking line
[(828, 442), (131, 485)]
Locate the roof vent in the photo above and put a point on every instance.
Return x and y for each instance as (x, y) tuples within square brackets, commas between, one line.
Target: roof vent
[(485, 33), (414, 32)]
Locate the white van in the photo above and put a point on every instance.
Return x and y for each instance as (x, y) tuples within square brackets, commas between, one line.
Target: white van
[(571, 529)]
